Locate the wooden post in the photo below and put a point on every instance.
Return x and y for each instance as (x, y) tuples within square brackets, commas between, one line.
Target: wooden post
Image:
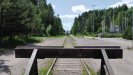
[(105, 62), (32, 68), (102, 71)]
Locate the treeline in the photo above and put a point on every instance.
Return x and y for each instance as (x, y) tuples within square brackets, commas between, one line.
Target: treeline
[(120, 16), (28, 17)]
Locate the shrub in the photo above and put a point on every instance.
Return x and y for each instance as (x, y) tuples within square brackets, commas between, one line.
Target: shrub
[(111, 35), (128, 33)]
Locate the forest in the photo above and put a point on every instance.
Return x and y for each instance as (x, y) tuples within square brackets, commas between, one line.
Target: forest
[(102, 19), (24, 18)]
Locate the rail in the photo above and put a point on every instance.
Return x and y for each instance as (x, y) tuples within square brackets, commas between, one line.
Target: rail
[(87, 70), (97, 52), (106, 68), (51, 66)]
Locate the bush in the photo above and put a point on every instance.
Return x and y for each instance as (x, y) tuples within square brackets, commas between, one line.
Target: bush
[(128, 34), (109, 35), (18, 40)]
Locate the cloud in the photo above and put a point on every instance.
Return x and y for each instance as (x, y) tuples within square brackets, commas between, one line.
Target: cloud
[(67, 26), (128, 2), (79, 9), (68, 16)]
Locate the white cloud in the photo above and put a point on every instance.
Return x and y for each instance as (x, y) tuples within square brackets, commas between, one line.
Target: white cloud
[(79, 9), (68, 16), (128, 2), (67, 26)]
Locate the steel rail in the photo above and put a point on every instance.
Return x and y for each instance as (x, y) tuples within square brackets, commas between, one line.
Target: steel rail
[(51, 67), (84, 64)]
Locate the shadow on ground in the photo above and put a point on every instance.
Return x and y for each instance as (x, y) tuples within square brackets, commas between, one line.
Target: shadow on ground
[(3, 67)]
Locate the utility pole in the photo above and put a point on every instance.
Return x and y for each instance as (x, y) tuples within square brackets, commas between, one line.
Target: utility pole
[(93, 6)]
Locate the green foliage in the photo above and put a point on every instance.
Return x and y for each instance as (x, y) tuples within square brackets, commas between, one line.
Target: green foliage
[(111, 35), (19, 40), (3, 50), (26, 18), (23, 17), (44, 70), (99, 30), (128, 34), (119, 16), (84, 72), (49, 30), (34, 39)]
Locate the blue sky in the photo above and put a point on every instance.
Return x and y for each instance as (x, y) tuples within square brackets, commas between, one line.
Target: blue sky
[(69, 9)]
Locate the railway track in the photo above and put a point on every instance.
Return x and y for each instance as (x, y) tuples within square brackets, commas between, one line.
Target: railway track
[(64, 66)]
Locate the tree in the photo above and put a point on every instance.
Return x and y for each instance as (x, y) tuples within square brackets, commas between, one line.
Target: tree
[(115, 16)]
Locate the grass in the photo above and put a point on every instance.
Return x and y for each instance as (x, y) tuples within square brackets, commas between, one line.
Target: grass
[(44, 70), (73, 42), (58, 36), (34, 39), (65, 40), (84, 72), (92, 71), (2, 49), (129, 48), (6, 44)]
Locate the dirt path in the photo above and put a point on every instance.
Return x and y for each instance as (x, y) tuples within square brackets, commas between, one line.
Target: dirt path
[(120, 66), (65, 66), (9, 65)]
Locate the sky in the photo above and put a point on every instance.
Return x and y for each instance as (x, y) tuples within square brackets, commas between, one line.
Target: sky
[(69, 9)]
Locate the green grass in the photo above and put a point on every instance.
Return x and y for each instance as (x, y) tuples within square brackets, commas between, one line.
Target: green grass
[(59, 36), (129, 48), (65, 40), (34, 39), (6, 44), (84, 72), (3, 49), (73, 42), (92, 71), (44, 70)]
